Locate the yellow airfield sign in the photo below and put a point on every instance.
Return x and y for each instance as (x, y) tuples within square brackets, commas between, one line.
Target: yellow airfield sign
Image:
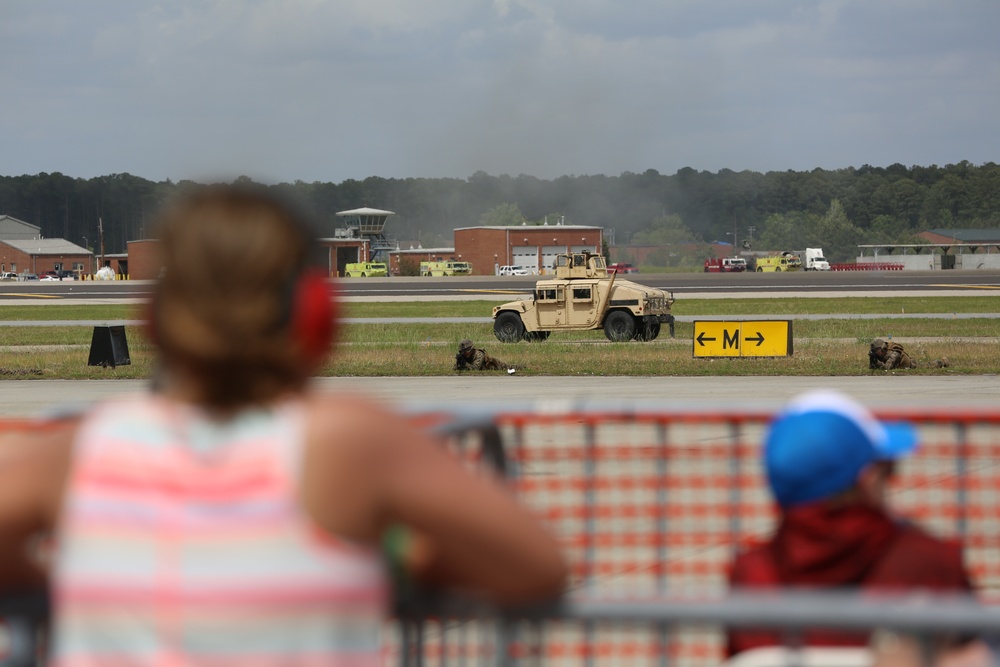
[(763, 338)]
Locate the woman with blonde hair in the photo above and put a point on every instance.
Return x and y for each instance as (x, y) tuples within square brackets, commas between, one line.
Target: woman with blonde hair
[(233, 516)]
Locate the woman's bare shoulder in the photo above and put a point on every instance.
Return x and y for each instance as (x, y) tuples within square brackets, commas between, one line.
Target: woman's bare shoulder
[(344, 411), (377, 432), (357, 421)]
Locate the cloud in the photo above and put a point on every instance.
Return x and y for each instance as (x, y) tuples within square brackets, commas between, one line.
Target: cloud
[(329, 90)]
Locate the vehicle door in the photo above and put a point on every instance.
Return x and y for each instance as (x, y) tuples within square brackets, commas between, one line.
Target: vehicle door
[(583, 304), (550, 304)]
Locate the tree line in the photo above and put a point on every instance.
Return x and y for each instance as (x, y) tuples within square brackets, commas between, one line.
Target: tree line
[(833, 209)]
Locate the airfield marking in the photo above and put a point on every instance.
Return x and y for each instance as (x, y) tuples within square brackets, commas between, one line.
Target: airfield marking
[(33, 296), (993, 287)]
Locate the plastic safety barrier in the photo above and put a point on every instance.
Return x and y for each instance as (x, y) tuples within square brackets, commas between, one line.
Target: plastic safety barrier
[(868, 266), (649, 503)]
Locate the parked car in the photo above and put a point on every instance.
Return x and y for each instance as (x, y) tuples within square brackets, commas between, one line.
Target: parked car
[(27, 276), (8, 276), (49, 276), (512, 271), (622, 267)]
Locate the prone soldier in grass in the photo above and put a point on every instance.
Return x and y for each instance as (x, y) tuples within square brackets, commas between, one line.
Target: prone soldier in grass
[(471, 358), (887, 355)]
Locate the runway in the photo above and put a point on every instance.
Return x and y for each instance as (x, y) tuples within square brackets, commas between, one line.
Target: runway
[(820, 284), (471, 393)]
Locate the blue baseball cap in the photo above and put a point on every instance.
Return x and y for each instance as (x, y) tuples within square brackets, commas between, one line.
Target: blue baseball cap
[(821, 441)]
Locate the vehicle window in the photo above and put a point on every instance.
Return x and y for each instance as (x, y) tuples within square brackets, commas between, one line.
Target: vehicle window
[(581, 294), (547, 294)]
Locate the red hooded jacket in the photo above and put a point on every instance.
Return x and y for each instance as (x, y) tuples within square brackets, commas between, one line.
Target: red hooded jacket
[(819, 546)]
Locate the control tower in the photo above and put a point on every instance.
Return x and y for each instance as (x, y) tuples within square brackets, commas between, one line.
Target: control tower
[(369, 223)]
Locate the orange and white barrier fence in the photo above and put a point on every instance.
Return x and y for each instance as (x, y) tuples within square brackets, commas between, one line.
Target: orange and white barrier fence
[(657, 502)]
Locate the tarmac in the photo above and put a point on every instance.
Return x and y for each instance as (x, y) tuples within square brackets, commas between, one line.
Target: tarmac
[(468, 394)]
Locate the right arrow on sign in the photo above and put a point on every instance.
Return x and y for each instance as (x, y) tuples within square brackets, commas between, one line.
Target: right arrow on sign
[(759, 338), (702, 338)]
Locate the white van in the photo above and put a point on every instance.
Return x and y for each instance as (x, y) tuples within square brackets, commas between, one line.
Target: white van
[(512, 271)]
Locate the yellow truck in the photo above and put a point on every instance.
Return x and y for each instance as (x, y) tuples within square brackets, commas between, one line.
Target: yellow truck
[(777, 263), (366, 270), (448, 267)]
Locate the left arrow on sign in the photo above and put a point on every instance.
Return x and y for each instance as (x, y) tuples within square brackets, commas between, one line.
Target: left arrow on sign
[(702, 338), (759, 338)]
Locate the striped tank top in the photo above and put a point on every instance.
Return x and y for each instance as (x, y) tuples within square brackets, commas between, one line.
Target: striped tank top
[(183, 542)]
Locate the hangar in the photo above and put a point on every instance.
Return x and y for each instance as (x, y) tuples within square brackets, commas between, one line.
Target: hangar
[(532, 246), (12, 229)]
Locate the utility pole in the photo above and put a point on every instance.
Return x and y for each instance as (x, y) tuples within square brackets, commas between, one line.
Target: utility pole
[(100, 232)]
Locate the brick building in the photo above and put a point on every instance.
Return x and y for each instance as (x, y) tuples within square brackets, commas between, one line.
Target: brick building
[(534, 247), (40, 255), (340, 251)]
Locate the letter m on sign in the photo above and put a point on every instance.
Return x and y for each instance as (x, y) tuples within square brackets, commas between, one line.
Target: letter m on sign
[(731, 341)]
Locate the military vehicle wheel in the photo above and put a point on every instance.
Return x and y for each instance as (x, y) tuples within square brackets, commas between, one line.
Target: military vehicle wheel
[(619, 326), (647, 331), (508, 327), (539, 336)]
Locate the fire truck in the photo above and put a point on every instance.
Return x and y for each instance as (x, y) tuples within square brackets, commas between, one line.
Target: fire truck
[(725, 265), (448, 267), (786, 261)]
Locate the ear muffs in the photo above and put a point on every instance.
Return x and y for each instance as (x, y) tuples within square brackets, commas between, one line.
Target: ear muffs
[(314, 314)]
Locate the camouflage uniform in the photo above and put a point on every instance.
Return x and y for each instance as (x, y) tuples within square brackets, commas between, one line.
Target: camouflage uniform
[(470, 358), (888, 355)]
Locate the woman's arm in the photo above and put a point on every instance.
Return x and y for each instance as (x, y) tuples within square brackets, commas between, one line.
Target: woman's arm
[(470, 531), (33, 468)]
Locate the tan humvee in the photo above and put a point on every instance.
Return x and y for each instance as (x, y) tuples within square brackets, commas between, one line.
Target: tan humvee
[(582, 297)]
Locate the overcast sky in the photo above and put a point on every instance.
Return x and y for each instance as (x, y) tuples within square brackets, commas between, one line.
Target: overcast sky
[(330, 90)]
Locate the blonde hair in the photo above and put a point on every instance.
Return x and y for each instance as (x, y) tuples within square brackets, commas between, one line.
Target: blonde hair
[(231, 256)]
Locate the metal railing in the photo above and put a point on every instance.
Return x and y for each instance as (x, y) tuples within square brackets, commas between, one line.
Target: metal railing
[(445, 630), (528, 636)]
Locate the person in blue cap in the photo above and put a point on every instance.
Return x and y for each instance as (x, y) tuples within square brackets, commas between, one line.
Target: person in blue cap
[(828, 462)]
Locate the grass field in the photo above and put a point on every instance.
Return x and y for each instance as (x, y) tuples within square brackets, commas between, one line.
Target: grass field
[(821, 347)]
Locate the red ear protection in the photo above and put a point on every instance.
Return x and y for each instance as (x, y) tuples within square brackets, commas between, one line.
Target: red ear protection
[(314, 314)]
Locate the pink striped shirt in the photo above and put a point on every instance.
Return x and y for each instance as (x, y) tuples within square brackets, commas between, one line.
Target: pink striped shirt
[(183, 542)]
